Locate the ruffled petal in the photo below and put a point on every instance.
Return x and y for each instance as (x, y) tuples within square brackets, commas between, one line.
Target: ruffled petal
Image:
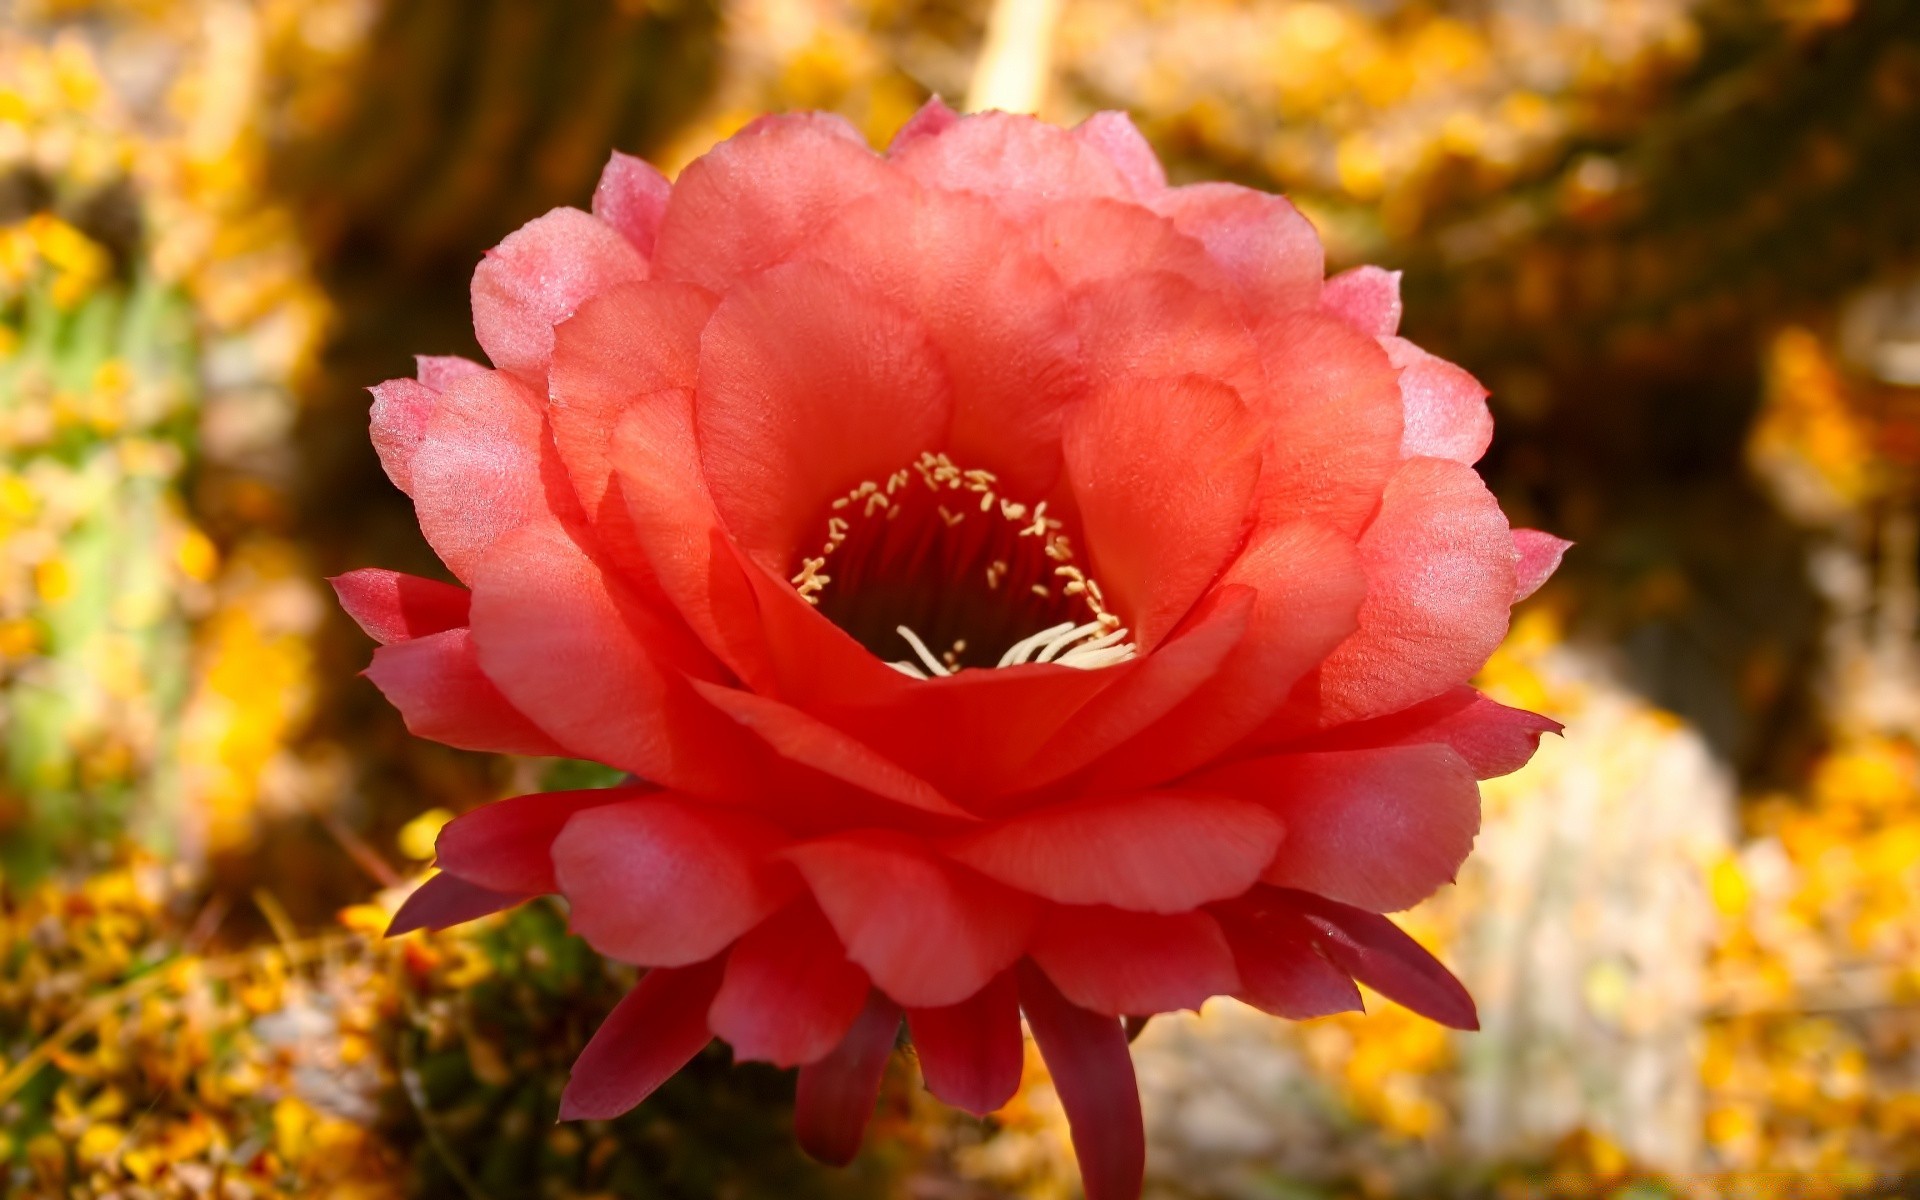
[(928, 932), (1366, 298), (931, 120), (632, 197), (442, 371), (1537, 557), (1446, 408), (1282, 970), (534, 280), (1270, 252), (1021, 163), (442, 694), (1152, 853), (970, 1053), (1131, 963), (656, 1029), (1163, 472), (790, 995), (1440, 567), (1115, 135), (1086, 1054), (1492, 738), (834, 1097), (445, 900), (394, 607), (1376, 952), (796, 352), (508, 845), (665, 883), (747, 204)]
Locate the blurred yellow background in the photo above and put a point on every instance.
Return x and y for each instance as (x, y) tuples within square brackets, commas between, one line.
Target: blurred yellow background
[(1679, 239)]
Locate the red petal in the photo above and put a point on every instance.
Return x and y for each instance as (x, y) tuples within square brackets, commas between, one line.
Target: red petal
[(752, 200), (1281, 968), (1163, 472), (1538, 556), (1376, 952), (1367, 298), (1266, 247), (1099, 241), (436, 683), (1093, 1074), (1440, 570), (536, 278), (971, 1053), (795, 351), (1114, 135), (1154, 853), (632, 197), (508, 845), (1021, 163), (928, 932), (654, 1031), (1494, 739), (398, 420), (442, 371), (1128, 963), (1446, 408), (664, 883), (392, 607), (445, 900), (1140, 331), (931, 120), (835, 1096), (1378, 828), (790, 994)]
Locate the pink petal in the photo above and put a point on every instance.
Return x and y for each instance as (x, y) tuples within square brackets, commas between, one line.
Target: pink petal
[(750, 202), (445, 900), (931, 120), (1374, 950), (1382, 829), (441, 371), (1152, 853), (796, 351), (1142, 330), (1440, 571), (1270, 252), (1086, 1054), (632, 197), (1367, 298), (835, 1096), (1281, 968), (1021, 163), (656, 1029), (1114, 135), (398, 419), (392, 607), (971, 1053), (1163, 472), (1538, 557), (928, 932), (1446, 408), (790, 994), (436, 683), (1492, 738), (1102, 241), (536, 278), (508, 845), (1129, 963), (663, 883)]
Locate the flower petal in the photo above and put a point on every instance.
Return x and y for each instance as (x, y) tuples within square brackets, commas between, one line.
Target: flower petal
[(834, 1097), (796, 351), (1114, 135), (1270, 252), (442, 371), (928, 932), (394, 607), (398, 420), (1151, 325), (1021, 163), (1086, 1054), (1281, 968), (665, 883), (1152, 853), (1492, 738), (931, 120), (790, 995), (508, 845), (535, 278), (445, 900), (1376, 952), (1446, 408), (656, 1029), (632, 197), (1366, 298), (1538, 556), (1134, 964), (971, 1053), (442, 694)]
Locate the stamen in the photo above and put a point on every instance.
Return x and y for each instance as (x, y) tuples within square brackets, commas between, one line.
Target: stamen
[(920, 648), (1023, 649), (1067, 639)]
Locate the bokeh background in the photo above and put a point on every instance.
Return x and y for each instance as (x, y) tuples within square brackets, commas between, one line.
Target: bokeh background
[(1677, 238)]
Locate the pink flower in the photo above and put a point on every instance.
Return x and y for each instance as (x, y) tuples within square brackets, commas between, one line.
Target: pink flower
[(1024, 587)]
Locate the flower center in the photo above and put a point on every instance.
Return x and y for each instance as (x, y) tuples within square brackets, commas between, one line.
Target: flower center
[(931, 562)]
